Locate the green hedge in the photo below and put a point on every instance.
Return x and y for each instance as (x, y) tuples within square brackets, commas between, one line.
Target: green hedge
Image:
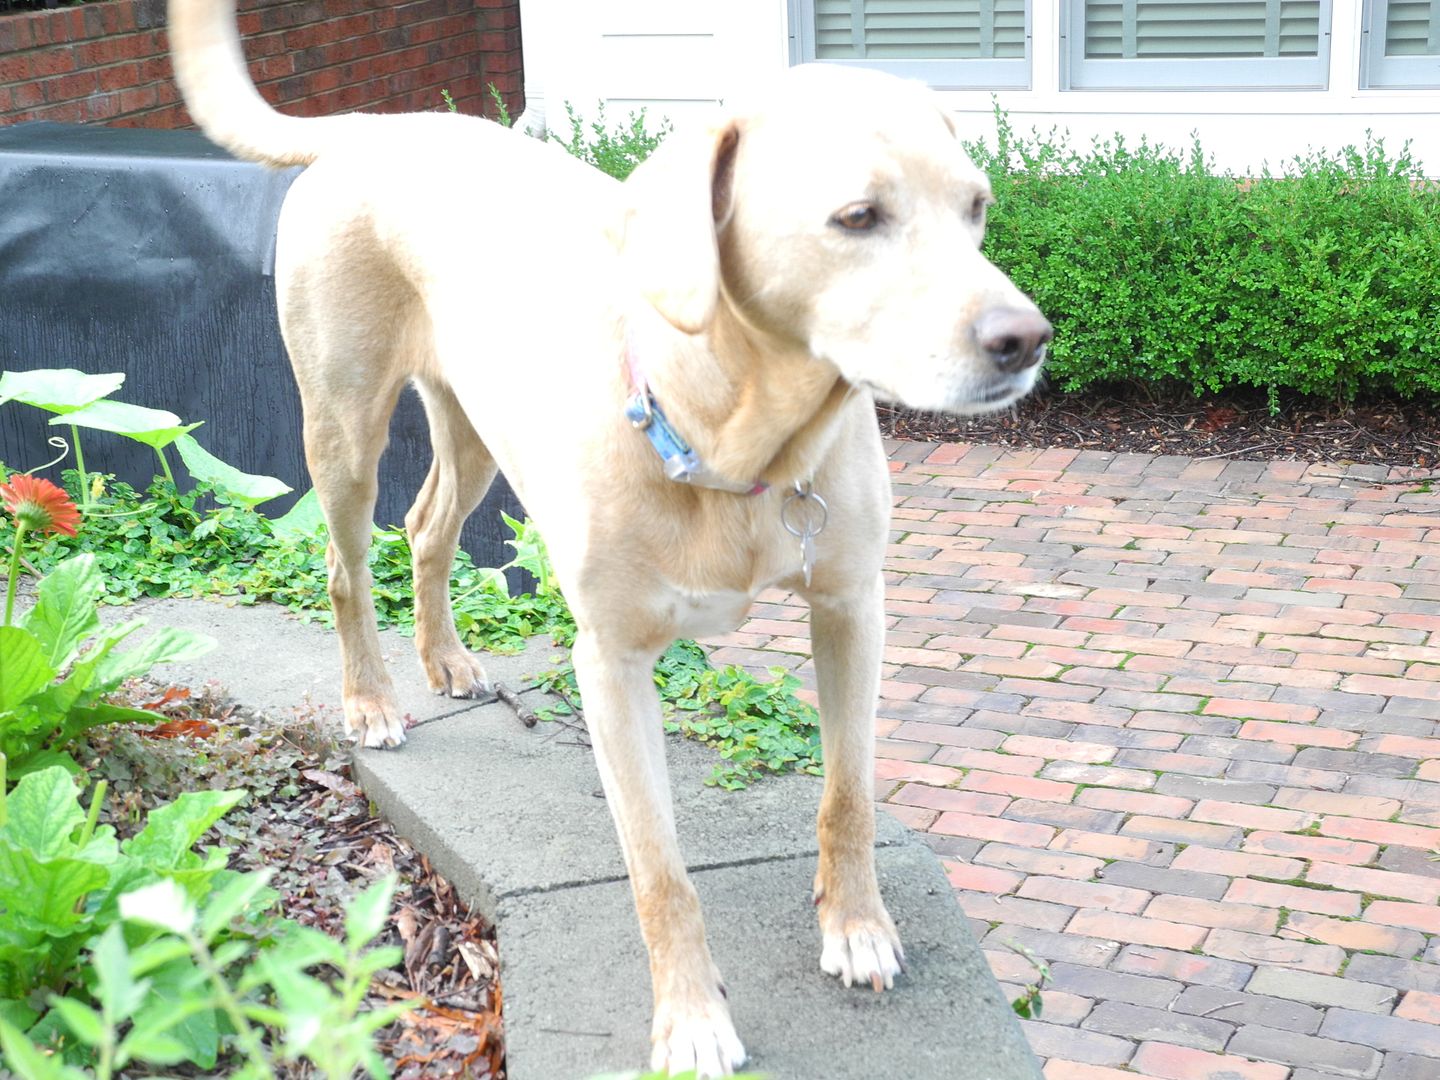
[(1323, 280)]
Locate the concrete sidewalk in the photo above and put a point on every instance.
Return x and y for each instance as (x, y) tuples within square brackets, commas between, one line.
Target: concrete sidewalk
[(516, 819)]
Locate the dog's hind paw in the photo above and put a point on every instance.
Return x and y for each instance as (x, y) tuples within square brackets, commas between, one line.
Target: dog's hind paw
[(457, 674), (705, 1044), (864, 955)]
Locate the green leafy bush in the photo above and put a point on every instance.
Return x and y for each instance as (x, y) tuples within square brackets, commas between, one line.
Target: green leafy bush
[(617, 150), (1153, 266)]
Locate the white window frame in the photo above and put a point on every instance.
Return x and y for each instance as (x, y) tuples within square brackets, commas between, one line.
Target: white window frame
[(958, 74), (1245, 73), (1381, 72)]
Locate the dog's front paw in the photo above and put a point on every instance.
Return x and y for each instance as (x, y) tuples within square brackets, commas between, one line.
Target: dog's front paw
[(456, 672), (863, 955), (698, 1037), (373, 721), (861, 946)]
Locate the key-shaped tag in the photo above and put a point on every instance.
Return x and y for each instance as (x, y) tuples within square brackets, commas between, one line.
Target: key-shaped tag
[(804, 515), (807, 556)]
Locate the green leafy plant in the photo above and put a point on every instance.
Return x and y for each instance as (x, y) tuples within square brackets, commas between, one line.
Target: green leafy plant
[(317, 1020), (167, 544), (1154, 266), (61, 881), (62, 391), (244, 488), (502, 110), (58, 663), (616, 150), (82, 400), (183, 957), (1030, 1003), (758, 726), (155, 428)]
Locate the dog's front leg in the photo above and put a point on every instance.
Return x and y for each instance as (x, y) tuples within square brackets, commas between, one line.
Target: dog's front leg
[(692, 1027), (847, 633)]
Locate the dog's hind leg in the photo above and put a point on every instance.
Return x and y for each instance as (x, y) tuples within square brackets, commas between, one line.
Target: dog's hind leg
[(860, 942), (460, 474), (344, 436)]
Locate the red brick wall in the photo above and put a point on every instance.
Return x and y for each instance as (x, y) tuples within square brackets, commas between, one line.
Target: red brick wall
[(107, 63)]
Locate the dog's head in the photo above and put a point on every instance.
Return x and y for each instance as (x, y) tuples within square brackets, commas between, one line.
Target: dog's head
[(841, 214)]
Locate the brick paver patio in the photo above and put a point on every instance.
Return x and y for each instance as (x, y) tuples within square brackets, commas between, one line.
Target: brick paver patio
[(1174, 725)]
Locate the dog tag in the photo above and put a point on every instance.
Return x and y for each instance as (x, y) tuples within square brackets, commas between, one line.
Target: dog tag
[(807, 556), (804, 515)]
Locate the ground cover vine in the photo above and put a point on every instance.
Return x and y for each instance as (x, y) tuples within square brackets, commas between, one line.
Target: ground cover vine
[(164, 542)]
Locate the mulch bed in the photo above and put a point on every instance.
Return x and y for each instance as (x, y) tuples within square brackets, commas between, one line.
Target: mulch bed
[(1238, 425), (308, 822)]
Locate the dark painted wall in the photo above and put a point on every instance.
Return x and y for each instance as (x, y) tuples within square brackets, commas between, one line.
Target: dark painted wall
[(152, 253)]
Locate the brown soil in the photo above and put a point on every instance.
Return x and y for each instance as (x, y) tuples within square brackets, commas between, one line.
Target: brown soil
[(1235, 425)]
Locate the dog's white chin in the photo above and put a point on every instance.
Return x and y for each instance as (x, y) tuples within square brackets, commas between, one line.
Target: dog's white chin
[(963, 398)]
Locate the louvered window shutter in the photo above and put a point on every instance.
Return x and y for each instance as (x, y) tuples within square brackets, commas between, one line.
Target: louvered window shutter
[(947, 43), (1402, 44), (919, 29), (1197, 44), (1193, 29), (1412, 28)]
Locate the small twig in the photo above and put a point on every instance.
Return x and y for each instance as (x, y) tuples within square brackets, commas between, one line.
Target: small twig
[(474, 989), (8, 551), (1424, 478), (572, 1031), (579, 729), (1240, 450), (1218, 1008), (523, 712)]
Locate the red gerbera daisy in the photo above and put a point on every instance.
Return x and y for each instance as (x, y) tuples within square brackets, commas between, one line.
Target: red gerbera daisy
[(39, 505)]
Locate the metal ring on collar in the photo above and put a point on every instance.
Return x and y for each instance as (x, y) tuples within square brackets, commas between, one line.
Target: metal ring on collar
[(648, 405), (803, 494)]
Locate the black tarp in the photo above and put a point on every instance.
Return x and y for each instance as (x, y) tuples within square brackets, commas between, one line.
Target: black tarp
[(152, 253)]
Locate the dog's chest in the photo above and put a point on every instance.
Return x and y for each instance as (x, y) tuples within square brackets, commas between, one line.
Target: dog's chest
[(708, 614)]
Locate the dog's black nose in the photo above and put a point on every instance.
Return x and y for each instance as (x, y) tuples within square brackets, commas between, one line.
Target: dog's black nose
[(1014, 338)]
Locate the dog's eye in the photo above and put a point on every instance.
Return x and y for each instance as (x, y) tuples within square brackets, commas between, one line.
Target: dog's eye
[(857, 217), (977, 209)]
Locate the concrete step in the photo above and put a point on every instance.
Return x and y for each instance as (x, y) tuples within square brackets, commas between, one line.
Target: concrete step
[(516, 819), (577, 986)]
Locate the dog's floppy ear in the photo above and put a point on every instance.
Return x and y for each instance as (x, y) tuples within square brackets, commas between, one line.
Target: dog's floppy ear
[(673, 203)]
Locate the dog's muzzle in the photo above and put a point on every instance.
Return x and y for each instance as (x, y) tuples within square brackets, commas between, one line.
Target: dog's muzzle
[(1013, 338)]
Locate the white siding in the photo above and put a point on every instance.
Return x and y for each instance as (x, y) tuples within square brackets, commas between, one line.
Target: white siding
[(676, 57)]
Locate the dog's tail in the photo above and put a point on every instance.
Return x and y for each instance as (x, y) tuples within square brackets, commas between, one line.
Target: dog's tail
[(216, 85)]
